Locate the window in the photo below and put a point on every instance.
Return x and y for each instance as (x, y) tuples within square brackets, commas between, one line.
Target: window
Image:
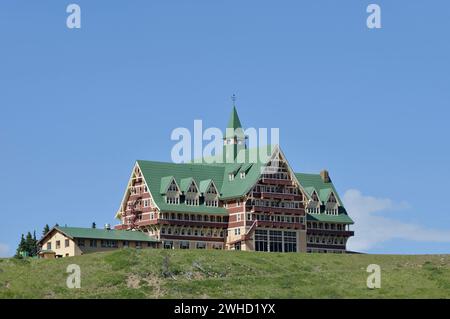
[(184, 245), (58, 244), (231, 177), (138, 244), (49, 246), (80, 242), (93, 243), (201, 245), (109, 243), (290, 241), (276, 240), (261, 240), (242, 175), (66, 243), (168, 244), (126, 244)]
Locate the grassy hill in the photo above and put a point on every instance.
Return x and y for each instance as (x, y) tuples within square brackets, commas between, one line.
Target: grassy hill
[(226, 274)]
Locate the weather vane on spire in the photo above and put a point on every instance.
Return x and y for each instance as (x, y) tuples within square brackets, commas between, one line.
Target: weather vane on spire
[(233, 98)]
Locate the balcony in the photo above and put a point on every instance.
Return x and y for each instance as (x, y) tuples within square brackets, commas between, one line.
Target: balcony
[(275, 181), (193, 223), (265, 209), (317, 231), (274, 224)]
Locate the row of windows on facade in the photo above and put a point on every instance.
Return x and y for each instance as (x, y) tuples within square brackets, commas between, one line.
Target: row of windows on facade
[(277, 175), (182, 217), (110, 243), (191, 217), (329, 211), (136, 190), (191, 202), (192, 189), (275, 240), (275, 204), (279, 218), (93, 243), (276, 189), (325, 251), (330, 240), (141, 202), (186, 245), (326, 226), (191, 232)]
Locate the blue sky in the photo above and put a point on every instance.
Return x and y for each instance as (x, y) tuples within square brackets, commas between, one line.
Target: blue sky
[(78, 107)]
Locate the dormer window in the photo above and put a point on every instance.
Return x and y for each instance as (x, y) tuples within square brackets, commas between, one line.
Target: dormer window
[(242, 175), (211, 196), (331, 206), (173, 187), (231, 177)]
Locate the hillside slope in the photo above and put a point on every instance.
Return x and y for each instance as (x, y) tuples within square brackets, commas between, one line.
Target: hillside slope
[(226, 274)]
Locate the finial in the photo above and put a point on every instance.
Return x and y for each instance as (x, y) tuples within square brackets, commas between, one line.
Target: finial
[(233, 99)]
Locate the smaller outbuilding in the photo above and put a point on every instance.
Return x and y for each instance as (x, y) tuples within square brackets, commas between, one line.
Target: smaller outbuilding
[(74, 241)]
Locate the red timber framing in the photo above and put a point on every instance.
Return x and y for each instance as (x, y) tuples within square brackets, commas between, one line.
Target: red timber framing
[(275, 203)]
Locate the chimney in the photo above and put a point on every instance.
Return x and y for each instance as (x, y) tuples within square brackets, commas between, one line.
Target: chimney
[(325, 176), (107, 227)]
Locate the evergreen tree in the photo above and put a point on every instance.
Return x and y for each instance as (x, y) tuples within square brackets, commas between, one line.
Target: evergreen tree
[(35, 245), (46, 230), (29, 244), (21, 247)]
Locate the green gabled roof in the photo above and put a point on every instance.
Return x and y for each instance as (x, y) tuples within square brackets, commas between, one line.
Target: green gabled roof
[(112, 234), (204, 185), (310, 190), (324, 193), (165, 182), (154, 173), (314, 181), (185, 183)]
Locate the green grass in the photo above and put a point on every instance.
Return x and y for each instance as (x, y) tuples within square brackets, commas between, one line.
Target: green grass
[(148, 273)]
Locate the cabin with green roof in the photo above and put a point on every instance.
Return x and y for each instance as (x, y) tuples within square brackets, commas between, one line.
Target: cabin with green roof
[(74, 241)]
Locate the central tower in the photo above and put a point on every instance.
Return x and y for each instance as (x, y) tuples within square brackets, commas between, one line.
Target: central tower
[(234, 140)]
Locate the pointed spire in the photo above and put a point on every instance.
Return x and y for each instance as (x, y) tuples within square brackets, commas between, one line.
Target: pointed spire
[(234, 121)]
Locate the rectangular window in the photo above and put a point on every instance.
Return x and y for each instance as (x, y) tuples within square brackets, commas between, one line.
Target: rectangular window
[(138, 244), (125, 244), (290, 241), (201, 245), (184, 245), (93, 243), (80, 242), (66, 243), (168, 244), (261, 240), (276, 240), (49, 245), (109, 243), (58, 244)]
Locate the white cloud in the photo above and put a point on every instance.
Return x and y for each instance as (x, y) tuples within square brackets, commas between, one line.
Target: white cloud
[(371, 229), (4, 250)]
